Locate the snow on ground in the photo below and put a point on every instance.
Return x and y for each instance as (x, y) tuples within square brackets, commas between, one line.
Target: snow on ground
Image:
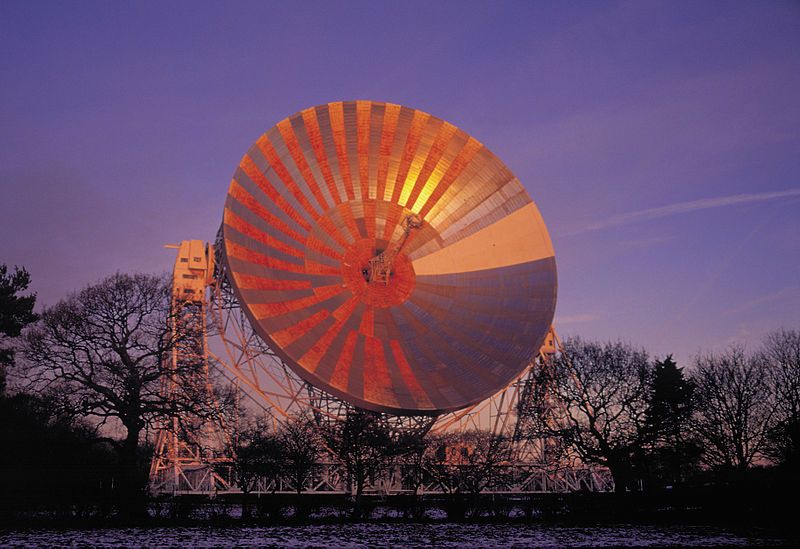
[(398, 535)]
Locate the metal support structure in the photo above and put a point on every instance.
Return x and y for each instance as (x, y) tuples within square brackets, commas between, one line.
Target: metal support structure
[(232, 347), (190, 453), (380, 266)]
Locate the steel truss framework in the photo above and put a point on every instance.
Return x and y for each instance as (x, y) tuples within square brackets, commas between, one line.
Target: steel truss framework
[(234, 350), (190, 452)]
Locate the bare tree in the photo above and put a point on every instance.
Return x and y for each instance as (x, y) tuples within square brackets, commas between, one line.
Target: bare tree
[(467, 462), (301, 446), (781, 354), (257, 456), (412, 451), (106, 351), (600, 401), (734, 408), (364, 445)]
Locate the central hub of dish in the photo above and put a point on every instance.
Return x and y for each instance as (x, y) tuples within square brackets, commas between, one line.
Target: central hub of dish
[(376, 292)]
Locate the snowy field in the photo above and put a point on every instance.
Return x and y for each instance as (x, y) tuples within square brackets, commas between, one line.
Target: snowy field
[(396, 535)]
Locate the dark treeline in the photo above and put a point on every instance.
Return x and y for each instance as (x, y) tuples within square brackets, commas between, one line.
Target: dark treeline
[(81, 394), (655, 426)]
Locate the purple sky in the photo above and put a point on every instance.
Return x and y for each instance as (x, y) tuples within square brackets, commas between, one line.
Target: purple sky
[(661, 141)]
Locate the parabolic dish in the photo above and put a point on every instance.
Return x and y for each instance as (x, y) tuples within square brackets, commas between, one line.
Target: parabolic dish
[(388, 257)]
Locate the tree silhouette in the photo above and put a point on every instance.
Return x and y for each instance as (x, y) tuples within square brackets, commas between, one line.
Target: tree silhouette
[(781, 354), (16, 311), (49, 461), (257, 456), (105, 351), (301, 446), (734, 408), (364, 445), (672, 451), (48, 457), (467, 462), (600, 392)]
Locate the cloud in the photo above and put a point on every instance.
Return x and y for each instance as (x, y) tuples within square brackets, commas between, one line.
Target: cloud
[(686, 207), (789, 293)]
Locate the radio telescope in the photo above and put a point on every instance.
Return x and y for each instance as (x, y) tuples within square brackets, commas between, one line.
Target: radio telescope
[(388, 258), (372, 256)]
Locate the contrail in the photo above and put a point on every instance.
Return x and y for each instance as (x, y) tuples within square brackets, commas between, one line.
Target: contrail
[(685, 207)]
